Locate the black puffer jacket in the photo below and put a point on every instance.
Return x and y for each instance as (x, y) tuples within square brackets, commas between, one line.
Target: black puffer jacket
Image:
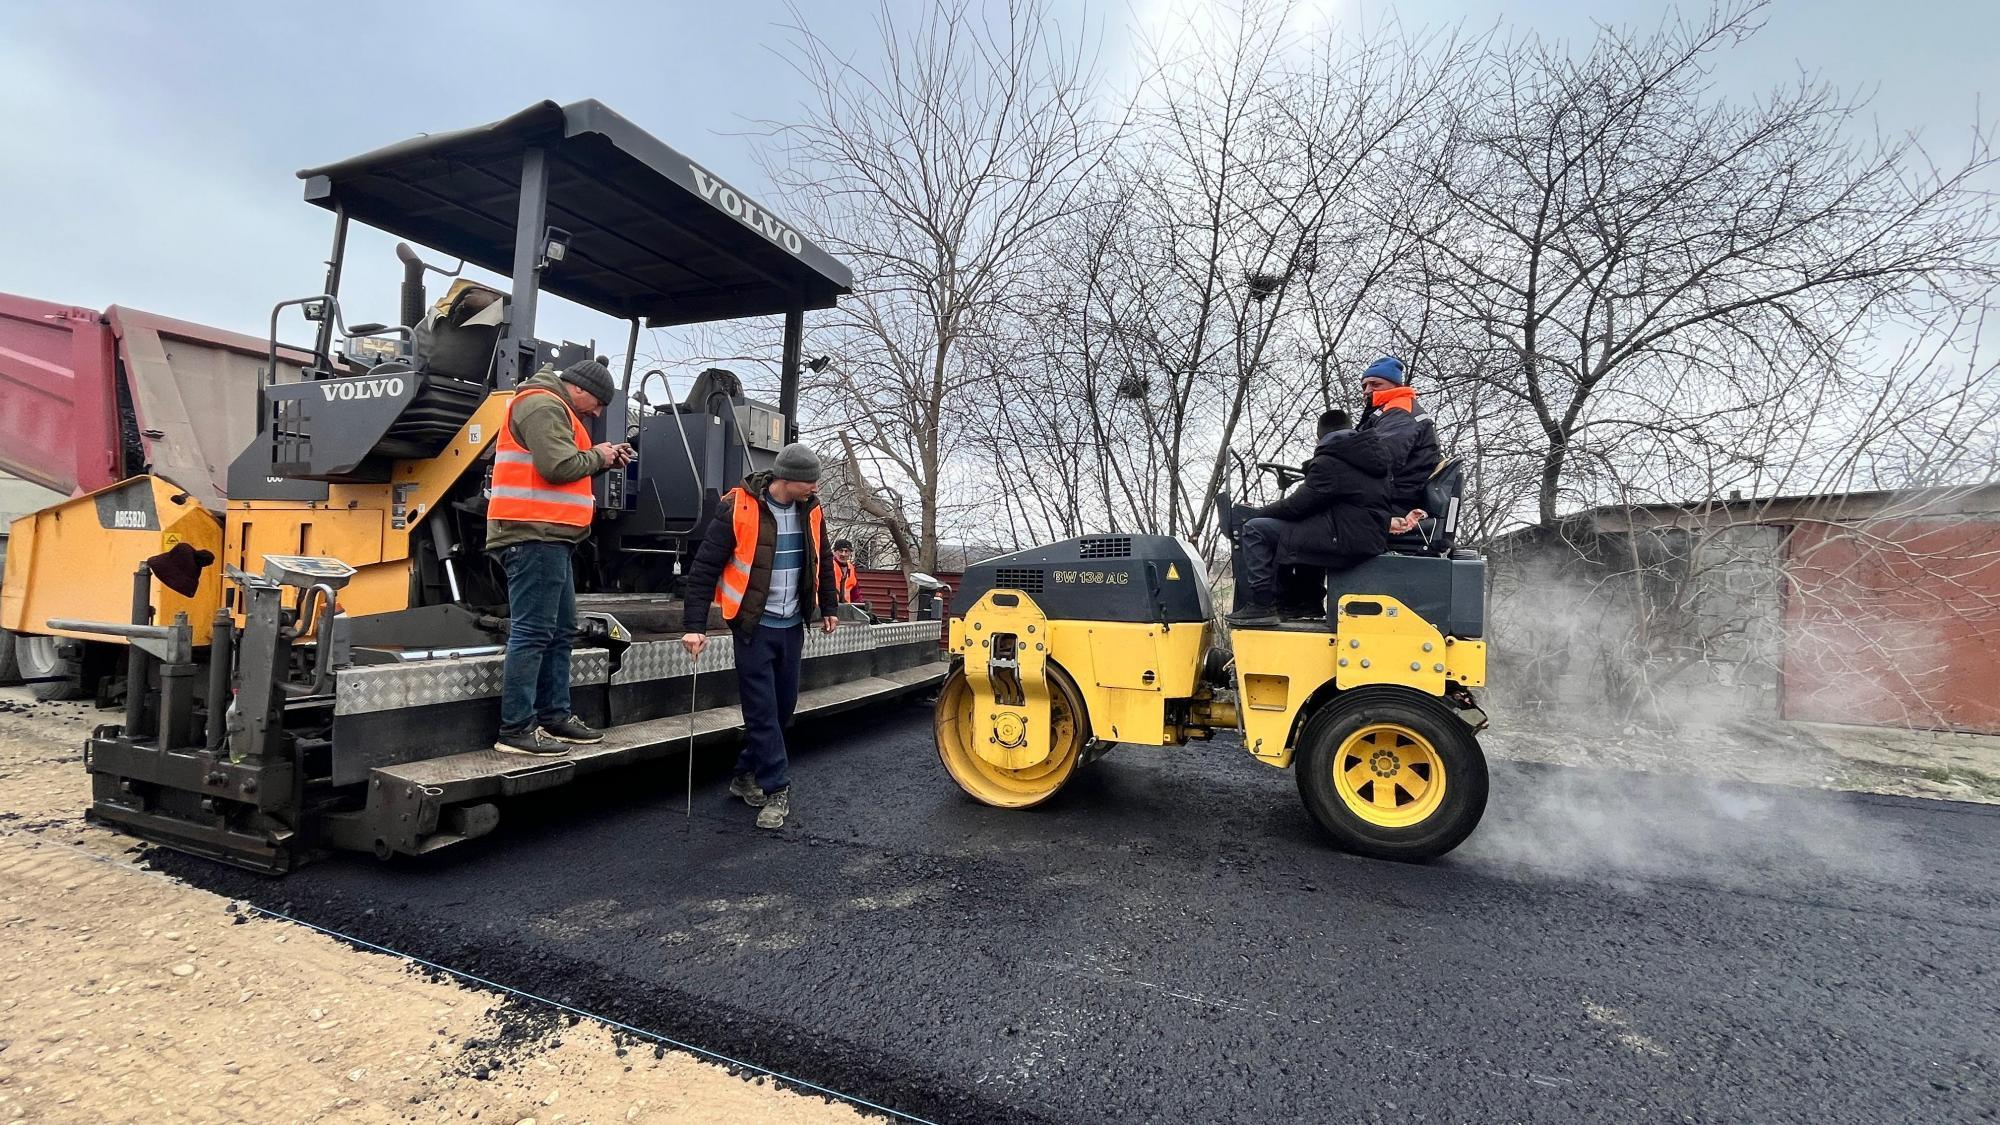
[(718, 547), (1409, 439), (1341, 510)]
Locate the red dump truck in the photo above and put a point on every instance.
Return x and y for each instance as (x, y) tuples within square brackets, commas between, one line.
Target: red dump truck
[(90, 398)]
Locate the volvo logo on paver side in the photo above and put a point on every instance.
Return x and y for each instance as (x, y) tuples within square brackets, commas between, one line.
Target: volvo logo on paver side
[(744, 211), (361, 388)]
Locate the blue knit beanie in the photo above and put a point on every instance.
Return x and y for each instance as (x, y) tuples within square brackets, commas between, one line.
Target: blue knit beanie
[(1388, 367)]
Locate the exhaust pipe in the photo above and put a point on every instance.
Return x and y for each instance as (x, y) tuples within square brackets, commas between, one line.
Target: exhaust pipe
[(413, 285)]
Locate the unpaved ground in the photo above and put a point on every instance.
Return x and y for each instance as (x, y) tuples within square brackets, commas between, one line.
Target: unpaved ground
[(127, 996)]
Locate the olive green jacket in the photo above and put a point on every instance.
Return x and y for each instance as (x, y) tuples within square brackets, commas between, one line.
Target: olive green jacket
[(542, 425)]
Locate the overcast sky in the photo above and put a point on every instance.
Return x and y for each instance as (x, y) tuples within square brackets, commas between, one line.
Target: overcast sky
[(150, 147)]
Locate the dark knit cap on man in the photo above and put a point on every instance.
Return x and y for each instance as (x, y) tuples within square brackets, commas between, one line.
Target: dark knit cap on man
[(591, 375), (797, 462)]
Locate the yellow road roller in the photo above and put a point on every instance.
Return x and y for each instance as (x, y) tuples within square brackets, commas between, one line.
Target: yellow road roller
[(1062, 652)]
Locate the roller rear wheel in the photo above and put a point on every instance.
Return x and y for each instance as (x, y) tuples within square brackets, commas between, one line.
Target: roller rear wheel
[(1391, 774), (1011, 788)]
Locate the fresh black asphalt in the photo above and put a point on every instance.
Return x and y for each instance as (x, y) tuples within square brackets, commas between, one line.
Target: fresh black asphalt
[(1169, 940)]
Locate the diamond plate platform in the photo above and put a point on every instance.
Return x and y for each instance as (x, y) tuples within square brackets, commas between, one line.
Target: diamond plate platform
[(428, 683), (459, 777)]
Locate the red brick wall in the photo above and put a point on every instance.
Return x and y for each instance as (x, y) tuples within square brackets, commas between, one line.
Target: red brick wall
[(1894, 624)]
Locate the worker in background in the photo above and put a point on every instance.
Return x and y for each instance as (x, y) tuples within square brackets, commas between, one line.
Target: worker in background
[(1409, 437), (1337, 516), (539, 510), (768, 567), (846, 576)]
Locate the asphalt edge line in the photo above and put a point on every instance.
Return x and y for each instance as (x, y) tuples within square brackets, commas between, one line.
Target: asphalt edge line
[(1938, 804), (35, 838), (586, 1014)]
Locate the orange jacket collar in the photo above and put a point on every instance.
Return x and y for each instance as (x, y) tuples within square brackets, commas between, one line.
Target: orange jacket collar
[(1396, 398)]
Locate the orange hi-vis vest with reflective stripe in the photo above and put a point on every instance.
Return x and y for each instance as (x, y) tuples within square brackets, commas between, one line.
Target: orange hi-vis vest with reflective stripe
[(846, 576), (745, 519), (520, 493)]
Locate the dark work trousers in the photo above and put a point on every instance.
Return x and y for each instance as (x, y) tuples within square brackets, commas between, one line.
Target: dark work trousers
[(1256, 563), (767, 677), (541, 621), (1302, 591)]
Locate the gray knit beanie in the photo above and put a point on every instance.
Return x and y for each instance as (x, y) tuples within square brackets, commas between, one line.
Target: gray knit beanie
[(591, 375), (796, 461)]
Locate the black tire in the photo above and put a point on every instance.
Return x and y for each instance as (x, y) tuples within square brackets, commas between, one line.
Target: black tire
[(10, 667), (53, 676), (1397, 721)]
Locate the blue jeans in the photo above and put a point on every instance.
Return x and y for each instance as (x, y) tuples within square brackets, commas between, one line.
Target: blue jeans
[(767, 678), (541, 622)]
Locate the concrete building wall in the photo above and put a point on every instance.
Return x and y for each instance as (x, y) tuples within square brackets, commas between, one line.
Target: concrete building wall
[(1737, 609)]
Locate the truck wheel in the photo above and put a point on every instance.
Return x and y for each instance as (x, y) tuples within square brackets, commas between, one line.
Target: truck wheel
[(10, 667), (1391, 775), (50, 675)]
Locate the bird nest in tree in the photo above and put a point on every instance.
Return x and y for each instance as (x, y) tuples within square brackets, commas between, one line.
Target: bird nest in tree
[(1262, 285)]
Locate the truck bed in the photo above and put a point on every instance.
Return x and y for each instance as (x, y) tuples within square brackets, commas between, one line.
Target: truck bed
[(90, 398)]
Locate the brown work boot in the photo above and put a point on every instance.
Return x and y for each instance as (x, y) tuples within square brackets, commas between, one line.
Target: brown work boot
[(777, 806), (745, 786)]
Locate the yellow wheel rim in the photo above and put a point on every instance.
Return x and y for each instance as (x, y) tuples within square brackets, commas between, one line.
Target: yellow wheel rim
[(1389, 775), (991, 784)]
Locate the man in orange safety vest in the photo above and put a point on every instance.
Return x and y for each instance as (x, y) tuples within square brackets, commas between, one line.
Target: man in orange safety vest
[(538, 510), (764, 561), (846, 576)]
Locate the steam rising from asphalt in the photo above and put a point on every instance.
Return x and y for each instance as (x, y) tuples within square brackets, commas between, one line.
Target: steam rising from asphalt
[(1595, 818), (1621, 827)]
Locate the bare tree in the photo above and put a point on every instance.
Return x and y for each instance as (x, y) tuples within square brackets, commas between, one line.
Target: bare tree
[(1642, 262), (1865, 543), (935, 173), (1615, 287), (1190, 317), (879, 503)]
